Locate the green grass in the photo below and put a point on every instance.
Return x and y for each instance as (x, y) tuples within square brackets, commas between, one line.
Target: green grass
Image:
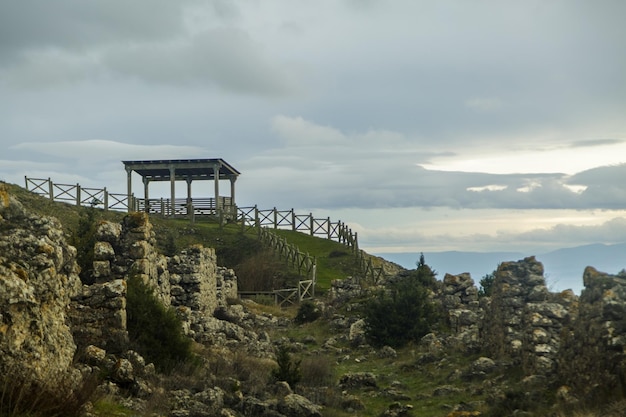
[(232, 246), (107, 408)]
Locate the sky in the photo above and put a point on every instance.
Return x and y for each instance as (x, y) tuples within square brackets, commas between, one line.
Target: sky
[(485, 125)]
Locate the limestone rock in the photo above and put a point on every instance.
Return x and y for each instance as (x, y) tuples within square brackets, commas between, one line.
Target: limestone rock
[(358, 380), (38, 275), (357, 333), (295, 405)]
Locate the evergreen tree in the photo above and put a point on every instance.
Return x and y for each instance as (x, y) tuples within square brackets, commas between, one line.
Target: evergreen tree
[(403, 312)]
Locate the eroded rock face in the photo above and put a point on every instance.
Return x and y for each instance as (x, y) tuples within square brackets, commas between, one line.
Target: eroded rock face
[(38, 275), (593, 359), (524, 320), (459, 297)]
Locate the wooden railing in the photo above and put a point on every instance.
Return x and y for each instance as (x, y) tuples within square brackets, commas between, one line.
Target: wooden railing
[(285, 296), (304, 263), (76, 194), (183, 207), (101, 198), (252, 217), (249, 218)]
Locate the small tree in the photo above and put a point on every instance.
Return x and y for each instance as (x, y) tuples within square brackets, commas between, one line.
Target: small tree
[(403, 312), (154, 330), (84, 240), (486, 285), (288, 370), (307, 312)]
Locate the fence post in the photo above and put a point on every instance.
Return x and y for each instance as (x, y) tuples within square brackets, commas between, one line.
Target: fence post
[(77, 194), (311, 223), (51, 189), (106, 199), (328, 227), (275, 218), (26, 182), (293, 220)]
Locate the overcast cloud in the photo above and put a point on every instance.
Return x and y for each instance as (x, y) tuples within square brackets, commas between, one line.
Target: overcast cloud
[(448, 124)]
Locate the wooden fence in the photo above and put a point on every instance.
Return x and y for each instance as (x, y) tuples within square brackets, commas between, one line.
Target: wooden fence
[(285, 296), (253, 217), (76, 194), (249, 218)]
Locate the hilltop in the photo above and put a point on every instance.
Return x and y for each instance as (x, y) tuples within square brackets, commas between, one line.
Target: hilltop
[(140, 316)]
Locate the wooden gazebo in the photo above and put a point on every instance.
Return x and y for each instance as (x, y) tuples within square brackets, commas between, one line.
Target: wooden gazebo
[(187, 170)]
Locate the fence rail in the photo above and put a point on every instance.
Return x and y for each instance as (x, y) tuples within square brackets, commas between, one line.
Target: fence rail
[(285, 296), (252, 217), (249, 218), (101, 198), (304, 263), (76, 194)]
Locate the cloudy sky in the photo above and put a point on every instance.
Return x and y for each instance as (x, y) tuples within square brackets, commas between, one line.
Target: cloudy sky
[(425, 125)]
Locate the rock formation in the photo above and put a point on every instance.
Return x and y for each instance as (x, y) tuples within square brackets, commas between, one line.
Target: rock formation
[(592, 359), (38, 275)]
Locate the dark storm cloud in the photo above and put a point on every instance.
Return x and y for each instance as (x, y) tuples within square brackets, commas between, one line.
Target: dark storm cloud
[(226, 57), (46, 43), (68, 24), (331, 104)]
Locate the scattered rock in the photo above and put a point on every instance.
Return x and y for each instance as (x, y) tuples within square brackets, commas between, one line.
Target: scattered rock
[(358, 380)]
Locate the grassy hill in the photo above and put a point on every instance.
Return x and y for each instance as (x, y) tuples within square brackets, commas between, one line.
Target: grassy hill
[(236, 249)]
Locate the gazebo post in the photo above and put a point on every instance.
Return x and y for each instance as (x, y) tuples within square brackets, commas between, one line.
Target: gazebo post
[(232, 196), (173, 190), (190, 210), (129, 188), (146, 195), (216, 174)]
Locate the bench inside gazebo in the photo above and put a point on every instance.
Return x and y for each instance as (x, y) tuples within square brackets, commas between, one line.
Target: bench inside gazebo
[(187, 170)]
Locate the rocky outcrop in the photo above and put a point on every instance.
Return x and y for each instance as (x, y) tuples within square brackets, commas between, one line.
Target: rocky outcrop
[(193, 279), (191, 282), (515, 285), (98, 316), (38, 275), (592, 360), (523, 321), (459, 298)]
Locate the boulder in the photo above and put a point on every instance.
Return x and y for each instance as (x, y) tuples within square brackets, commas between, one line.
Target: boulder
[(295, 405)]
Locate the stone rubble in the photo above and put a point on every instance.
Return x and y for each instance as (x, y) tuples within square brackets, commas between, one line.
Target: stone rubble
[(47, 316)]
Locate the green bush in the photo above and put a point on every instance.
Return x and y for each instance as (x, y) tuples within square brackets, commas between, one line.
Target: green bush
[(486, 285), (402, 312), (84, 240), (317, 371), (288, 370), (307, 312), (154, 330)]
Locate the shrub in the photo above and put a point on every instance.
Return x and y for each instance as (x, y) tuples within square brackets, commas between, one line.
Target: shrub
[(486, 285), (261, 272), (288, 370), (84, 240), (403, 312), (154, 330), (19, 397), (316, 371), (307, 312)]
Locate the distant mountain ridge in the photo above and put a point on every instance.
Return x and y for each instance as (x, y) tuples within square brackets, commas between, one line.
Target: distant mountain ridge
[(563, 267)]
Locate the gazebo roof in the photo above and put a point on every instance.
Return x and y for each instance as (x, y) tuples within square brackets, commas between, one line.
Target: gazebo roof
[(193, 169)]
